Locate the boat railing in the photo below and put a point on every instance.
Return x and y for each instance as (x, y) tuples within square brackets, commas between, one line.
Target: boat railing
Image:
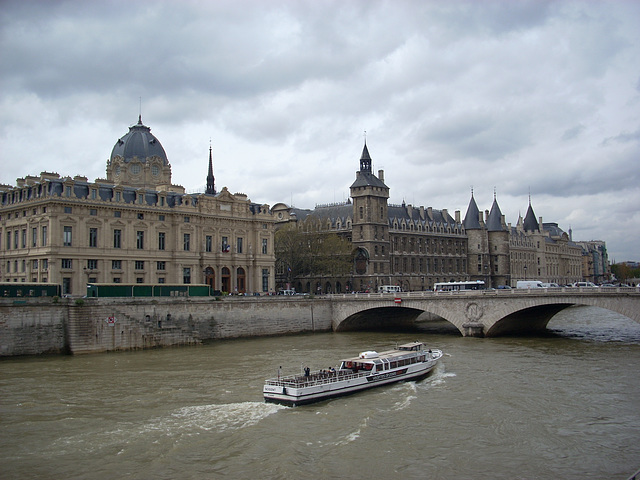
[(315, 378)]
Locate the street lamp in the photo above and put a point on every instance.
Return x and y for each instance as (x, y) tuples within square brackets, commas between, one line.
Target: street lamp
[(525, 273)]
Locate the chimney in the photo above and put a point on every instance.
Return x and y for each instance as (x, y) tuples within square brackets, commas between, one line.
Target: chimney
[(422, 212), (457, 214), (381, 175)]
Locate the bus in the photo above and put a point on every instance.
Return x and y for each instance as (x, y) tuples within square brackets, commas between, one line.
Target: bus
[(389, 289), (458, 286)]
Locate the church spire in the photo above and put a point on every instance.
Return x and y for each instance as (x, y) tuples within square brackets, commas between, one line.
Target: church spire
[(365, 159), (211, 188)]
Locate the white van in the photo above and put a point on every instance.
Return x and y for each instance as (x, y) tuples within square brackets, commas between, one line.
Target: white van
[(584, 284), (550, 285), (529, 284)]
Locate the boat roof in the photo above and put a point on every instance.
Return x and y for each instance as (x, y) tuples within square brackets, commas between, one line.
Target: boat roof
[(401, 351)]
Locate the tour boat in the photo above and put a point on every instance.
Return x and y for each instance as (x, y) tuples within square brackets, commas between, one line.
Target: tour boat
[(410, 361)]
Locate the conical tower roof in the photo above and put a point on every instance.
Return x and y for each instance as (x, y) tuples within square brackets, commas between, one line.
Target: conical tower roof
[(472, 217), (530, 222), (494, 220)]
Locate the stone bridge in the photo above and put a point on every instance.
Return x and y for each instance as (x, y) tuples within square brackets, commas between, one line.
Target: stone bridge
[(485, 313)]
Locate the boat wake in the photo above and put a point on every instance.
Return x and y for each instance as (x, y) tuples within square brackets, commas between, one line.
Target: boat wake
[(184, 422), (232, 416)]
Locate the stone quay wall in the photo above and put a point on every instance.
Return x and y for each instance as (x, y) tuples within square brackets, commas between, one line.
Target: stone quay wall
[(91, 325)]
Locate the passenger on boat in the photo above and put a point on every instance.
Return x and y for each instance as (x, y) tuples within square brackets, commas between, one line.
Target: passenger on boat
[(307, 370)]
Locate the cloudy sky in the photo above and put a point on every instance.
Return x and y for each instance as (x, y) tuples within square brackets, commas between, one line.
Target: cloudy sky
[(536, 97)]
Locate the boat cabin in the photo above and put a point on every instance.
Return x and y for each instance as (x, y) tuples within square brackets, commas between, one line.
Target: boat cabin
[(406, 354)]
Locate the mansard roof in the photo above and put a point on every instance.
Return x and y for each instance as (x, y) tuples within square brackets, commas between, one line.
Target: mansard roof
[(408, 214), (472, 217), (336, 213), (494, 220)]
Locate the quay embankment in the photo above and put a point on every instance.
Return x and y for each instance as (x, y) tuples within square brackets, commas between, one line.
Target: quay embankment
[(35, 326)]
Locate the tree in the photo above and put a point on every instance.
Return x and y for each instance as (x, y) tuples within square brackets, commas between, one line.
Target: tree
[(308, 249)]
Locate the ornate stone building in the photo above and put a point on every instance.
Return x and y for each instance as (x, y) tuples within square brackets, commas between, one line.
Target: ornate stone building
[(532, 250), (417, 247), (135, 226), (413, 247)]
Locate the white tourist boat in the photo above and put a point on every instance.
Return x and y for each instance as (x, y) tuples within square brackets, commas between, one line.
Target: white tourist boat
[(410, 361)]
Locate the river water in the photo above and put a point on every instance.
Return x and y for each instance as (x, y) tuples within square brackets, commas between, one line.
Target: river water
[(559, 406)]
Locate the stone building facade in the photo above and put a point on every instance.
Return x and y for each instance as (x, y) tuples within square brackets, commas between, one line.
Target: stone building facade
[(532, 250), (412, 247), (595, 261), (134, 226), (416, 247)]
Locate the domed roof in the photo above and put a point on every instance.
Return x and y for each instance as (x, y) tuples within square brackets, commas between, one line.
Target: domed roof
[(139, 142)]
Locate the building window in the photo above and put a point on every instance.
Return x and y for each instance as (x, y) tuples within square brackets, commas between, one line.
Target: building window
[(117, 238), (45, 265), (9, 240), (265, 279), (160, 279), (117, 214), (34, 265), (34, 237), (187, 242), (117, 199), (225, 244), (66, 286), (186, 219), (116, 279), (161, 239), (93, 212), (361, 213), (15, 239), (66, 263), (92, 264), (264, 245), (208, 243), (93, 237), (139, 265), (116, 264), (239, 245), (139, 239), (186, 275), (139, 279), (141, 216), (66, 239), (161, 217), (160, 265)]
